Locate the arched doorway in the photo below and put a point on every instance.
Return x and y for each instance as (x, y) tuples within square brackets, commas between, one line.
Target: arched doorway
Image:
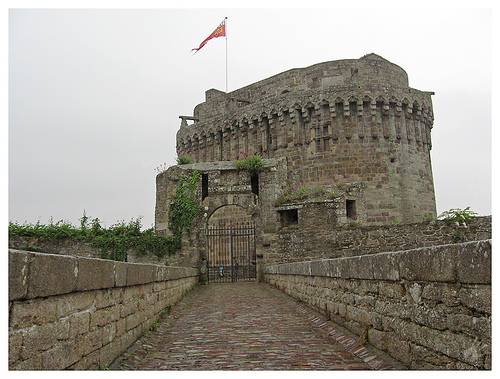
[(230, 245)]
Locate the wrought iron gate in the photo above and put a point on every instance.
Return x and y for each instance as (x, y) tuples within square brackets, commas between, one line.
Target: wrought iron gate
[(231, 253)]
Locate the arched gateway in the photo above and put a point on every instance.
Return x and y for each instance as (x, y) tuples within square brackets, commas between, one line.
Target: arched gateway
[(231, 255)]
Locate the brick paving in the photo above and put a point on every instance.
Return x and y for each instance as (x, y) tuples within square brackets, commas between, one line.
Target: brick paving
[(247, 326)]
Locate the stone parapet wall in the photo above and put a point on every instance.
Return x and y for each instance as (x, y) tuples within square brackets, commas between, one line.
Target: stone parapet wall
[(81, 313), (313, 239), (74, 247), (430, 308)]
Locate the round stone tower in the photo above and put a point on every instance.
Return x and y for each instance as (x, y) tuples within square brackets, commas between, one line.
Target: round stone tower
[(351, 124)]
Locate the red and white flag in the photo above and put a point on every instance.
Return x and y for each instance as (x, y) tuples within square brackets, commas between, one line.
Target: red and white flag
[(220, 31)]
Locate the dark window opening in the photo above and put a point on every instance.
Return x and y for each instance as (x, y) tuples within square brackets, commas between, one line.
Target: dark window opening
[(350, 208), (289, 217), (204, 186), (254, 182)]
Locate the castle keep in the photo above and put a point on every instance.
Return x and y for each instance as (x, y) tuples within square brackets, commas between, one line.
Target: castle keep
[(344, 142)]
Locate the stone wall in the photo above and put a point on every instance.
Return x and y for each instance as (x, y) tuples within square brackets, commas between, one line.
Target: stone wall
[(430, 308), (77, 248), (338, 122), (81, 313), (318, 234)]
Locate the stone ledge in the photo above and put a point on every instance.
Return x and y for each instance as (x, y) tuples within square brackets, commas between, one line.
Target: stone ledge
[(33, 275), (468, 262)]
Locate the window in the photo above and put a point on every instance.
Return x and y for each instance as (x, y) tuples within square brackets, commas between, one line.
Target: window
[(204, 186), (254, 182), (289, 217), (350, 209)]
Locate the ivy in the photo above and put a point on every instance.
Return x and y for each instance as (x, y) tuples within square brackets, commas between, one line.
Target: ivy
[(113, 242), (185, 206)]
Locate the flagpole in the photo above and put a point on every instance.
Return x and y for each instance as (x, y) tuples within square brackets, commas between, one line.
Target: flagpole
[(225, 30)]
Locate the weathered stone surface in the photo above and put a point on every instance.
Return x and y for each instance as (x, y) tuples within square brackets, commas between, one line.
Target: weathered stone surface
[(51, 275), (18, 273), (421, 319), (85, 327), (95, 274), (33, 312), (140, 274), (120, 274), (474, 264)]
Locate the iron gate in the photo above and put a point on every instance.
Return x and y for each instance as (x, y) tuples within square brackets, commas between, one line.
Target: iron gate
[(231, 253)]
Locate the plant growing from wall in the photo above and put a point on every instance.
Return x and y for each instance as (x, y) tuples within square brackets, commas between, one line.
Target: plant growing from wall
[(185, 205), (305, 193), (184, 159), (113, 242), (252, 164), (459, 216)]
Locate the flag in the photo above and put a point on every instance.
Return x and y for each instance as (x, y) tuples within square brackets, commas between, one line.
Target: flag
[(220, 31)]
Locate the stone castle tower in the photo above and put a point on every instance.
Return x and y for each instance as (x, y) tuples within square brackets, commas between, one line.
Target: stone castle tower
[(352, 124)]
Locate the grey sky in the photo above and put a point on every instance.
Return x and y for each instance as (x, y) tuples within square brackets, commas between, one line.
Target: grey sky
[(95, 94)]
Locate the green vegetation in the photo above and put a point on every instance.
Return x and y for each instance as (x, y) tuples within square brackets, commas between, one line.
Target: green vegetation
[(185, 206), (113, 242), (184, 159), (253, 164), (306, 193), (457, 215)]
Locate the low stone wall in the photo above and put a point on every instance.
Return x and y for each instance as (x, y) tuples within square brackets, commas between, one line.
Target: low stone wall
[(74, 247), (429, 308), (81, 313), (311, 239)]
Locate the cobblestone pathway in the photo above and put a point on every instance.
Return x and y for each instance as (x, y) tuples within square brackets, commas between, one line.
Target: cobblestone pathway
[(245, 326)]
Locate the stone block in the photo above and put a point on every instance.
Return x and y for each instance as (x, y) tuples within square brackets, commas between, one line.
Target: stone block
[(108, 297), (474, 262), (140, 274), (385, 266), (18, 274), (476, 297), (428, 264), (33, 312), (61, 356), (133, 320), (51, 275), (33, 363), (120, 274), (15, 346), (95, 274), (108, 333), (391, 290), (43, 337), (90, 341), (75, 302), (79, 323)]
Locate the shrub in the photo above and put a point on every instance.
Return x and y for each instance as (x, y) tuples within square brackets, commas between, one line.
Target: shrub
[(457, 215), (113, 242), (184, 159), (253, 163)]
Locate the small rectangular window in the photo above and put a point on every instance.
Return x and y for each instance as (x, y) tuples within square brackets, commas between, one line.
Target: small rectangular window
[(204, 186), (289, 217), (254, 182), (350, 209)]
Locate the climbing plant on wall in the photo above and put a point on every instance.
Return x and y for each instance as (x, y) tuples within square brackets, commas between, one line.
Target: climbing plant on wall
[(185, 205)]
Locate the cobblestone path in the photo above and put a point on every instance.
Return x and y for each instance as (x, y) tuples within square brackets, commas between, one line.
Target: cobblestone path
[(245, 326)]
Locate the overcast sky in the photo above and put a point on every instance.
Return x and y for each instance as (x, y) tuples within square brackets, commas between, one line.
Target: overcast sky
[(95, 95)]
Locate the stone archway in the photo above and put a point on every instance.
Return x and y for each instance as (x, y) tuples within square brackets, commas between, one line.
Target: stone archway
[(229, 215), (230, 247)]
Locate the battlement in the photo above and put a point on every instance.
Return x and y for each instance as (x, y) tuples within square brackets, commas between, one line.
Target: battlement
[(335, 123)]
